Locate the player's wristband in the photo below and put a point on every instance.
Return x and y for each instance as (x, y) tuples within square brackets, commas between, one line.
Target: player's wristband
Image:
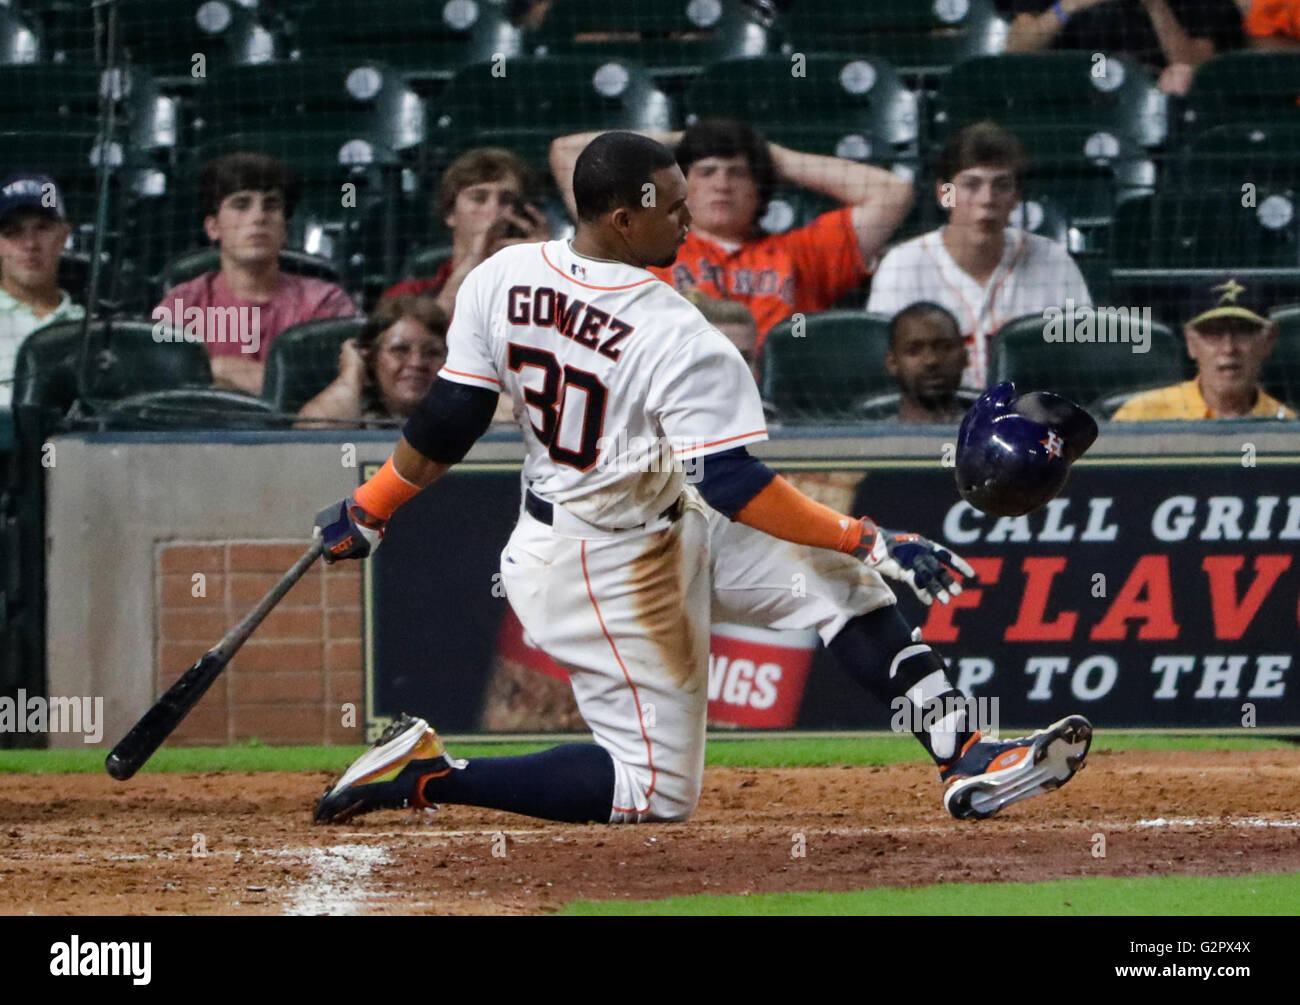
[(385, 492)]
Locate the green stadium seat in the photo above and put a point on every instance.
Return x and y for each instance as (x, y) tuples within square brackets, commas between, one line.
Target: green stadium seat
[(675, 39), (916, 35), (121, 358), (70, 101), (425, 262), (195, 263), (360, 98), (1207, 228), (863, 111), (880, 407), (1235, 88), (426, 40), (540, 99), (66, 29), (1086, 372), (303, 360), (190, 408), (824, 373), (20, 40), (1055, 88), (166, 35), (1281, 375), (1266, 155)]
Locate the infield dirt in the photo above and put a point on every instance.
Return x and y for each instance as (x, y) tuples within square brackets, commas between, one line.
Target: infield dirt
[(85, 844)]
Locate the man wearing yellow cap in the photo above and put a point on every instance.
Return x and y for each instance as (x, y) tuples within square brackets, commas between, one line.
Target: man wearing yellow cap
[(1229, 342)]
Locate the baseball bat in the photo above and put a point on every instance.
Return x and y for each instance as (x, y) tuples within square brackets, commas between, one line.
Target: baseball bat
[(157, 724)]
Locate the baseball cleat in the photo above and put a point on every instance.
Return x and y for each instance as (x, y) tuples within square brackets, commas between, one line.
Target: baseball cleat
[(390, 775), (991, 774)]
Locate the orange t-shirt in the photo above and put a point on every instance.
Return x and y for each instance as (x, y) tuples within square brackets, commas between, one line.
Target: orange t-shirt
[(777, 275), (1273, 17)]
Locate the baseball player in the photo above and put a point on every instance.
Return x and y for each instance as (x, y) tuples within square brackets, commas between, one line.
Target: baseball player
[(616, 565)]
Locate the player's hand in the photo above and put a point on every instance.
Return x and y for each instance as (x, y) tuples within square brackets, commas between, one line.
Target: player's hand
[(349, 531), (920, 563)]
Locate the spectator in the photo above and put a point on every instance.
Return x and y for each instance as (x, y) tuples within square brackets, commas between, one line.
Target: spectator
[(978, 267), (33, 231), (1273, 24), (734, 321), (730, 175), (1172, 37), (486, 197), (388, 369), (1229, 342), (246, 200), (926, 357)]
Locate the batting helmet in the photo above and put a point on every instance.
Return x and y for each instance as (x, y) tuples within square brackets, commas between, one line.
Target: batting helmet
[(1014, 452)]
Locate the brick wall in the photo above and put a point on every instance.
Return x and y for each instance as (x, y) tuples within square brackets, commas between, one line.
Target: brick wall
[(288, 683)]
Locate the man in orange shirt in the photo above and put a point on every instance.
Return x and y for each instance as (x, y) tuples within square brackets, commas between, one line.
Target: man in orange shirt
[(1273, 24), (731, 172)]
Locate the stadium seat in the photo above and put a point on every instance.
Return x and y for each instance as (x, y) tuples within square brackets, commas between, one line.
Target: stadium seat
[(1253, 88), (121, 358), (822, 371), (1207, 228), (916, 35), (1281, 376), (1086, 372), (669, 39), (363, 99), (166, 36), (1057, 89), (20, 40), (303, 360), (425, 262), (862, 110), (880, 407), (1265, 155), (425, 39), (190, 408), (540, 99), (195, 263)]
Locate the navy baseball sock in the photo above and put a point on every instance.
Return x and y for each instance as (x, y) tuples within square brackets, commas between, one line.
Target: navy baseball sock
[(573, 783), (877, 650)]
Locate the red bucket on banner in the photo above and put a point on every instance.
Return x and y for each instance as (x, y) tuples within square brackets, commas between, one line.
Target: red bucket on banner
[(756, 676)]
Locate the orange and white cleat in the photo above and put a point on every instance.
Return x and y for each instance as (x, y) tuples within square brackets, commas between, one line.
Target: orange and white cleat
[(390, 774), (991, 774)]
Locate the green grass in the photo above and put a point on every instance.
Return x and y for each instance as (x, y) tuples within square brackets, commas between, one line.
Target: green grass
[(780, 752), (1159, 895)]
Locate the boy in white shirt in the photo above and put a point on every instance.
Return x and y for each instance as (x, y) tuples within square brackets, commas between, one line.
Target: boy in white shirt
[(983, 270)]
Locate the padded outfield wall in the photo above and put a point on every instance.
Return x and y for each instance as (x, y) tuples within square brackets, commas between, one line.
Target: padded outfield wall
[(1161, 589)]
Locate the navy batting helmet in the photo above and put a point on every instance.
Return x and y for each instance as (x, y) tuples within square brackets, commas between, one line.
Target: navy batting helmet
[(1014, 452)]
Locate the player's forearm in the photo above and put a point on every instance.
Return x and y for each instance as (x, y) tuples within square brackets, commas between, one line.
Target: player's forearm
[(781, 510)]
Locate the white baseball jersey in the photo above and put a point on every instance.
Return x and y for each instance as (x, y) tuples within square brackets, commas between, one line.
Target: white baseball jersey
[(617, 380), (615, 376), (1035, 273)]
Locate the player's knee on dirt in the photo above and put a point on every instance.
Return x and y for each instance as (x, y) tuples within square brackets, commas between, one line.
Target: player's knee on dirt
[(643, 795)]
